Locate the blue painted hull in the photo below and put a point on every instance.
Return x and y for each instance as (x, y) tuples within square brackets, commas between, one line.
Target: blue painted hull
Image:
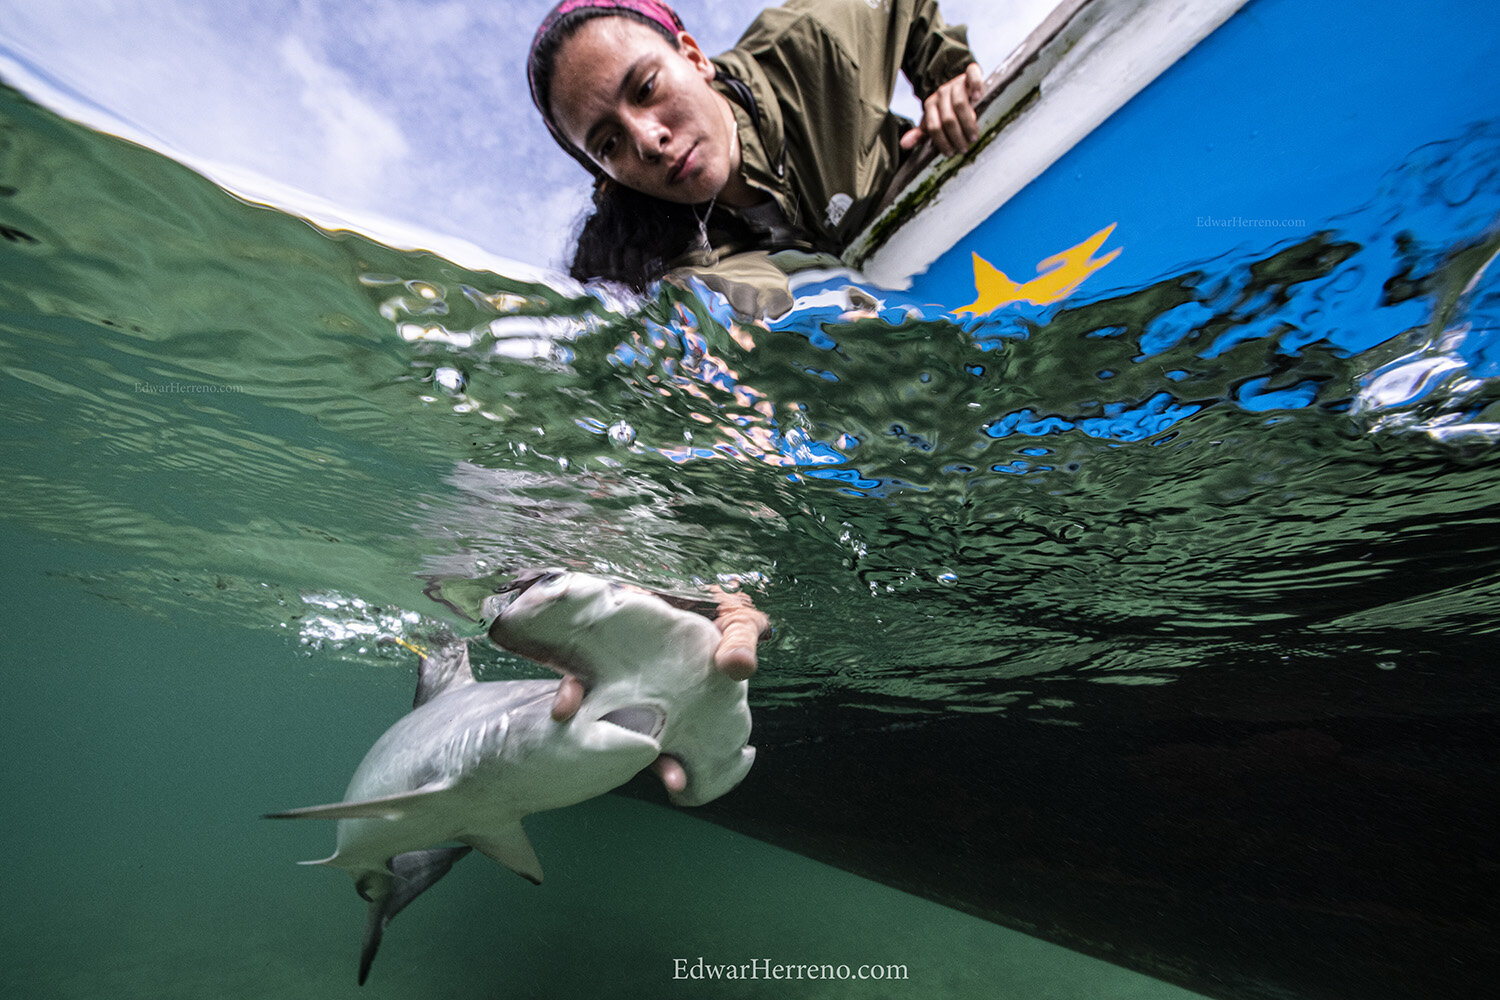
[(1291, 119)]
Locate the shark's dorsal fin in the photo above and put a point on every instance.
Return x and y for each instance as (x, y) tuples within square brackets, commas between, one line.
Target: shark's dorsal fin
[(390, 807), (510, 847), (442, 670)]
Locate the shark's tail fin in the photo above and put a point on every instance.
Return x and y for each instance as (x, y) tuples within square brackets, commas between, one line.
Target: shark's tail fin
[(414, 873)]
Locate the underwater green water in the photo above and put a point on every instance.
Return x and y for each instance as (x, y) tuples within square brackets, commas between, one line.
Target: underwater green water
[(237, 451), (159, 543), (140, 748)]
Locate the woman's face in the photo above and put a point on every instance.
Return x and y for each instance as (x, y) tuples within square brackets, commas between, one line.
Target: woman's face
[(643, 110)]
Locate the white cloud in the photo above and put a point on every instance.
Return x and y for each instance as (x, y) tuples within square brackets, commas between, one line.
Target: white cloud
[(356, 145), (996, 29)]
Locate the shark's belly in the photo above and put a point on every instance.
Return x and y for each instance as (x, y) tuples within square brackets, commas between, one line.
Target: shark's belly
[(450, 736), (484, 756), (450, 746)]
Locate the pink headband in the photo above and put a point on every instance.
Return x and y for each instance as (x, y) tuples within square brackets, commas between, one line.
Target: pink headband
[(652, 10)]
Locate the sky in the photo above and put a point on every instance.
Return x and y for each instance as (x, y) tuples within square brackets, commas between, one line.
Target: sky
[(408, 120)]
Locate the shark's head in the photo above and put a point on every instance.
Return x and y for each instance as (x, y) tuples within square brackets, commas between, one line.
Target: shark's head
[(648, 667), (598, 630)]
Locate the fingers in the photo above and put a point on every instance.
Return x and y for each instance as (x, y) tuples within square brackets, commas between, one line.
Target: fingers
[(569, 696), (957, 124), (669, 770), (948, 116), (966, 91), (736, 652), (932, 122), (740, 628), (739, 631), (949, 136)]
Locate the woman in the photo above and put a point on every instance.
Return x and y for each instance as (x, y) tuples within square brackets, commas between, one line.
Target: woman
[(785, 142)]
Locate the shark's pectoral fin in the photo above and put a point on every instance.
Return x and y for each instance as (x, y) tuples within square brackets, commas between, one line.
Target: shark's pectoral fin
[(390, 807), (510, 847), (325, 862), (412, 874)]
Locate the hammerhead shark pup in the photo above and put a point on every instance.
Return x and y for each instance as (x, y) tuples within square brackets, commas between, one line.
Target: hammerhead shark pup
[(472, 758)]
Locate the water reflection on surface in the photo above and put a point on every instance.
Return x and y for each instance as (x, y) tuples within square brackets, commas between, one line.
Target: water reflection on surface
[(1296, 438)]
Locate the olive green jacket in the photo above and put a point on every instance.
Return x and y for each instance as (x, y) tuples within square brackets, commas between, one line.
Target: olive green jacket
[(821, 139)]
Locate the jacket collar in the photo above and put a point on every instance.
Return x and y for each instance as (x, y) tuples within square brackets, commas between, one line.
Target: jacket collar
[(762, 142)]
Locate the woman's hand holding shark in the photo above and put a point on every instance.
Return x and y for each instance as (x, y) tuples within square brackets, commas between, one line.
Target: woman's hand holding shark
[(740, 628)]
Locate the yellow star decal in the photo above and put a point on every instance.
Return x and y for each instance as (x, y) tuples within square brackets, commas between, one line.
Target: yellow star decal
[(1056, 279)]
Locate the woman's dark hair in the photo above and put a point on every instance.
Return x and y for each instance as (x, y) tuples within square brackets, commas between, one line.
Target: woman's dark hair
[(630, 237)]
